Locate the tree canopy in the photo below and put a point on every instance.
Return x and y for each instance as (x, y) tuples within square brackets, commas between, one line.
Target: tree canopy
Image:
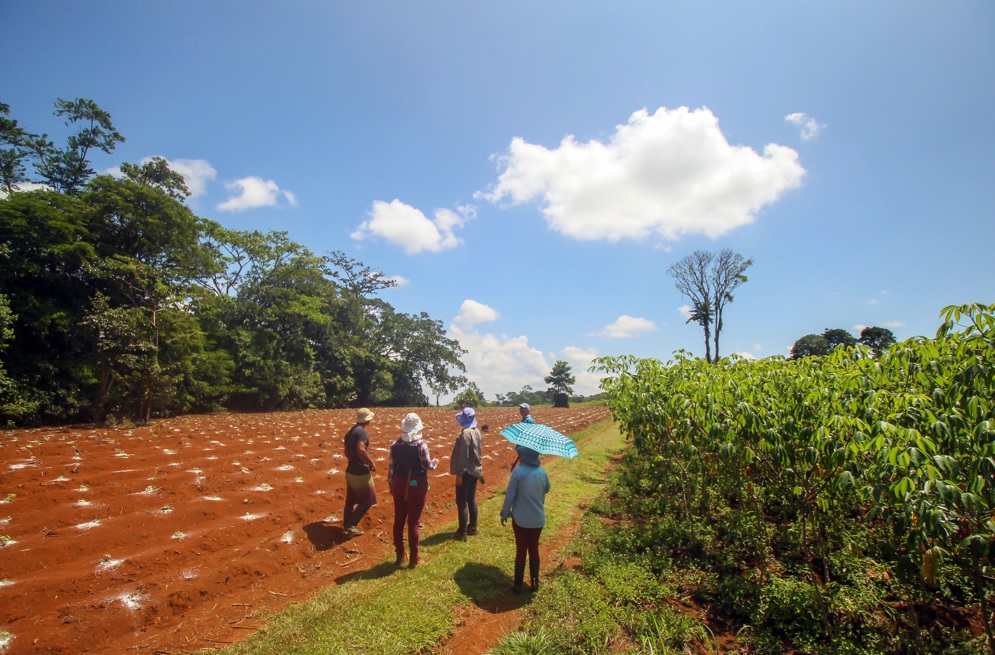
[(118, 303)]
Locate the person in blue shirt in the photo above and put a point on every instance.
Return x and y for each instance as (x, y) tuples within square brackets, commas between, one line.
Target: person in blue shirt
[(525, 411), (524, 504)]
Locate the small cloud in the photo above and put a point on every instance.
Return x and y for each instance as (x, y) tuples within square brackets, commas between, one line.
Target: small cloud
[(399, 281), (745, 355), (858, 328), (873, 301), (757, 347), (407, 227), (808, 126), (26, 186), (251, 193), (627, 326), (291, 198), (685, 311), (894, 324), (472, 312)]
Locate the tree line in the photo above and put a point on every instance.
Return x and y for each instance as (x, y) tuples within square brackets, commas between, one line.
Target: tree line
[(118, 303)]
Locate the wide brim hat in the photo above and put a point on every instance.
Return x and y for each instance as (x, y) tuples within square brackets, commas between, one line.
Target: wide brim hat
[(467, 418), (364, 415), (412, 425)]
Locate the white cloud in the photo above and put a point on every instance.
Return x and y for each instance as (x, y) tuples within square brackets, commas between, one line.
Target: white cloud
[(627, 326), (858, 328), (499, 363), (670, 174), (894, 324), (408, 228), (472, 312), (399, 280), (196, 173), (26, 186), (745, 355), (252, 192), (807, 125), (291, 198), (757, 347), (685, 311)]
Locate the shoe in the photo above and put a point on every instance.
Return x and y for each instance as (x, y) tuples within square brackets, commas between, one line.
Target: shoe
[(471, 531), (353, 531), (401, 559), (415, 562), (459, 536)]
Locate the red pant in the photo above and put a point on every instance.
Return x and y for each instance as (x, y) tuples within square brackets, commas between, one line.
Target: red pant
[(409, 502), (526, 541)]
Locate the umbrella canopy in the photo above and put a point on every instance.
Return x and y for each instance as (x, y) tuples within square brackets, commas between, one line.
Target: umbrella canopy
[(540, 438)]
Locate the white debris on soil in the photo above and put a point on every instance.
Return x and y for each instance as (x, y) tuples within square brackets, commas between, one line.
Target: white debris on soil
[(285, 467), (189, 574), (24, 465), (89, 525), (288, 537), (215, 498), (262, 487), (333, 471), (121, 455), (132, 601), (82, 503), (5, 639), (253, 517), (61, 478), (6, 582), (108, 564)]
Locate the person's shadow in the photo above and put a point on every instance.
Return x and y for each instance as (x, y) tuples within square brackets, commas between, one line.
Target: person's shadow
[(488, 587), (324, 536), (381, 570)]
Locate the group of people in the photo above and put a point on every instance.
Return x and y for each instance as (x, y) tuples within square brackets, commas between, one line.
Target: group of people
[(407, 478)]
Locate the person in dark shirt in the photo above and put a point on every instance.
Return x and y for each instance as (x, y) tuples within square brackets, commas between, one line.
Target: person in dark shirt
[(407, 476), (465, 465), (360, 495)]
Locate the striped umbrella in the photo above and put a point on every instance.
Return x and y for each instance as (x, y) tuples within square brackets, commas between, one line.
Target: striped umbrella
[(540, 438)]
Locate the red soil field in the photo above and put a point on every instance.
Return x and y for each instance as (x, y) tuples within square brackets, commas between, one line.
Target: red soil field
[(183, 533)]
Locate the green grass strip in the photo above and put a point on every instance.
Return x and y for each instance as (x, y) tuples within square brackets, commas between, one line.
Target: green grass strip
[(386, 610)]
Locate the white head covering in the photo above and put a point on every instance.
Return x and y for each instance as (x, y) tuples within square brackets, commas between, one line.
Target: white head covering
[(411, 427)]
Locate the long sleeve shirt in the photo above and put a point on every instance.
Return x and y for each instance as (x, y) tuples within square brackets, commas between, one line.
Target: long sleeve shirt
[(466, 454), (525, 499)]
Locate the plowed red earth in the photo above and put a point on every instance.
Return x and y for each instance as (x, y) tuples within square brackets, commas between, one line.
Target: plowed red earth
[(183, 533)]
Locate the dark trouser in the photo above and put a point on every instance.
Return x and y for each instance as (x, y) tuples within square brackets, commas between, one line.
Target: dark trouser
[(360, 496), (526, 542), (466, 503), (409, 502)]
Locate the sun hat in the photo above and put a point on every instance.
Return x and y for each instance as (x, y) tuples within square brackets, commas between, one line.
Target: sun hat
[(467, 418), (525, 406), (364, 415), (527, 455), (411, 426)]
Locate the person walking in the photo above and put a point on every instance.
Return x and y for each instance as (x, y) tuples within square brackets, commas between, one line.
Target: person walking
[(465, 464), (407, 476), (524, 504), (360, 494)]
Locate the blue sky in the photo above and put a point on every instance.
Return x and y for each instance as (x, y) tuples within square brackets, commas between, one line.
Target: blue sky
[(530, 170)]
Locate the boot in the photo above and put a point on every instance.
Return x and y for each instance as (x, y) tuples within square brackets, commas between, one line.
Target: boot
[(534, 574), (519, 578)]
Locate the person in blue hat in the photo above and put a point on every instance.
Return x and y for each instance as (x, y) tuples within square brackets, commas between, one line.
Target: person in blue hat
[(524, 504), (465, 464)]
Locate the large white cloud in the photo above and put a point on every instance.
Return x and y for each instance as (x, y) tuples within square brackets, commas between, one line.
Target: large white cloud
[(472, 312), (626, 326), (407, 227), (670, 174), (254, 192)]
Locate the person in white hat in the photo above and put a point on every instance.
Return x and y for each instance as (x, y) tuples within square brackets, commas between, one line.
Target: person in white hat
[(360, 495), (407, 476)]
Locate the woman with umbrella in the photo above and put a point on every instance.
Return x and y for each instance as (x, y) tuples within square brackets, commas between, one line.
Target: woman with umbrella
[(524, 504), (407, 476)]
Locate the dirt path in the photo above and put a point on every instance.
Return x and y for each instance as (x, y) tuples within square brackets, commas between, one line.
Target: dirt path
[(182, 534)]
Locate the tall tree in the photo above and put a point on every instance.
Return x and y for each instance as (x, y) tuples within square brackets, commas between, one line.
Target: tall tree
[(560, 379), (16, 147), (708, 280), (838, 337), (877, 339), (68, 169), (811, 345)]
